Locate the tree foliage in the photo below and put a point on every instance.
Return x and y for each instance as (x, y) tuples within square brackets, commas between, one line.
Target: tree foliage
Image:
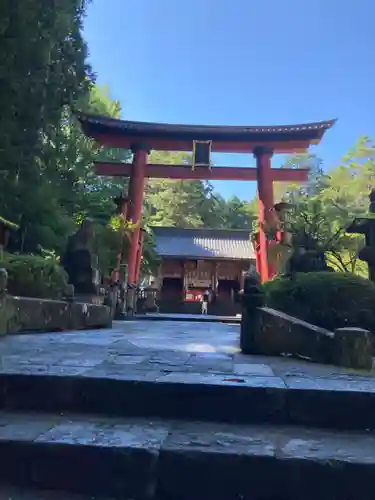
[(48, 184), (326, 206), (329, 300), (190, 203)]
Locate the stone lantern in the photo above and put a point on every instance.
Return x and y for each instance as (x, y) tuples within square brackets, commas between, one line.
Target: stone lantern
[(366, 226)]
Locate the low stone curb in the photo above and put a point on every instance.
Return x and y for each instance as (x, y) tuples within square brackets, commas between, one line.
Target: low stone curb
[(193, 396), (157, 460), (187, 318)]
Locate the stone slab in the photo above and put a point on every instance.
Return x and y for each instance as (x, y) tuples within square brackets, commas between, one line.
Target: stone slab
[(237, 398), (14, 493), (140, 459), (302, 463), (152, 393), (253, 369), (194, 318), (86, 456)]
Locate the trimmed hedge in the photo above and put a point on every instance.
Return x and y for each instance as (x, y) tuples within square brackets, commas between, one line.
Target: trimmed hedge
[(329, 300), (34, 276)]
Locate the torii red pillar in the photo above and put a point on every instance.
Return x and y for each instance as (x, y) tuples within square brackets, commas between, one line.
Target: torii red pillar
[(263, 157), (136, 188)]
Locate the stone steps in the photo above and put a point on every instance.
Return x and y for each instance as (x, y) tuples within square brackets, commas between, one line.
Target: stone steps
[(191, 318), (191, 396), (11, 493), (141, 459)]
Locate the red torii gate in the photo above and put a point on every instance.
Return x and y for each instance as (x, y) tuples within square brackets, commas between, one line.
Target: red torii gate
[(141, 138)]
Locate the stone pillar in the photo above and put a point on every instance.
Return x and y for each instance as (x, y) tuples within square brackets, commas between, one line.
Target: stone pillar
[(265, 205), (352, 348), (139, 255), (136, 188)]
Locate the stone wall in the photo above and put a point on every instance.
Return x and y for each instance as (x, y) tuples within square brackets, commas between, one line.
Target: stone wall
[(21, 314), (271, 332)]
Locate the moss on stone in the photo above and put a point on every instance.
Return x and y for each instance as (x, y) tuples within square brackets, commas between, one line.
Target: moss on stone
[(8, 316), (8, 224)]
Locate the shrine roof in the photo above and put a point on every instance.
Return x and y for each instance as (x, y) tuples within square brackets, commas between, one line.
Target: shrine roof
[(157, 135), (228, 244)]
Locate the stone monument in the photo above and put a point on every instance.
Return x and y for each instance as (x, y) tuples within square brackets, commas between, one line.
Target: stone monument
[(5, 229), (81, 263)]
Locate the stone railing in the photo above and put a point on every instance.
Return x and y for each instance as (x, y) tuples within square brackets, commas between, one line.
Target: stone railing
[(270, 332)]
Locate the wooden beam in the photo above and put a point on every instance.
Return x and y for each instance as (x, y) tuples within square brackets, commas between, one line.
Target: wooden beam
[(298, 176), (299, 145), (158, 171)]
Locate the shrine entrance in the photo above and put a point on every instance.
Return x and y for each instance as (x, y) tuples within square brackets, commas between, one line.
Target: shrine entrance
[(261, 141)]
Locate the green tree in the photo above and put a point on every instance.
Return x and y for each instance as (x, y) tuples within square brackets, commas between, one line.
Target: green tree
[(44, 71), (190, 203), (326, 206), (174, 202)]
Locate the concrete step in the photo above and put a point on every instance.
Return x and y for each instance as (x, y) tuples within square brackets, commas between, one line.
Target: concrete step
[(111, 390), (143, 459)]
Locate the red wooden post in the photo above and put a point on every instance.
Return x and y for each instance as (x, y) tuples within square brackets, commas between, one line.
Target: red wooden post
[(136, 188), (256, 247), (139, 255), (265, 205)]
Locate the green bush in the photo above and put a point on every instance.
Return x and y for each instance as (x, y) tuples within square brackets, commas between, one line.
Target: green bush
[(34, 276), (329, 300)]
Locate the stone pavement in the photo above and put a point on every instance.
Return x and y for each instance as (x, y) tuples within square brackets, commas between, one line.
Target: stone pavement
[(170, 410), (178, 370), (164, 347)]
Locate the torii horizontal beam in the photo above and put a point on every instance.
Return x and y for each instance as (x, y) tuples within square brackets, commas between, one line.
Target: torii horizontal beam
[(158, 171)]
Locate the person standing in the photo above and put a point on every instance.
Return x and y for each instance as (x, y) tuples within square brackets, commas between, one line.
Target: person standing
[(204, 300)]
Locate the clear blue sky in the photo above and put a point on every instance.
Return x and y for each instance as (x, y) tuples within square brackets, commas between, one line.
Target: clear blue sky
[(240, 62)]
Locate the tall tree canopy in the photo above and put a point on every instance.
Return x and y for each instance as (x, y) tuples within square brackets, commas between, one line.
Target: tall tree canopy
[(47, 179), (189, 203)]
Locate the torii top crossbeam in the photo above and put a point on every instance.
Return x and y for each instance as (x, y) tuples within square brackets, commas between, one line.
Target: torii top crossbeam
[(262, 141), (225, 139)]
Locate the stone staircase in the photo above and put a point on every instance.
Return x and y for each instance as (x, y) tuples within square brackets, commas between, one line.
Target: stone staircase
[(186, 436)]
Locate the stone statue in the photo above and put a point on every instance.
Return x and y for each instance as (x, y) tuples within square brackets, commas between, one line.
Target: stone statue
[(306, 257), (80, 262)]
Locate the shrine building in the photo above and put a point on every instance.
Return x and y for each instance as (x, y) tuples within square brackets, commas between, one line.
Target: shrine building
[(193, 260)]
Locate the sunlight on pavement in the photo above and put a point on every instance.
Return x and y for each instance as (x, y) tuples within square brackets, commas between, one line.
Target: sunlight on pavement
[(210, 348), (229, 349), (200, 348)]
